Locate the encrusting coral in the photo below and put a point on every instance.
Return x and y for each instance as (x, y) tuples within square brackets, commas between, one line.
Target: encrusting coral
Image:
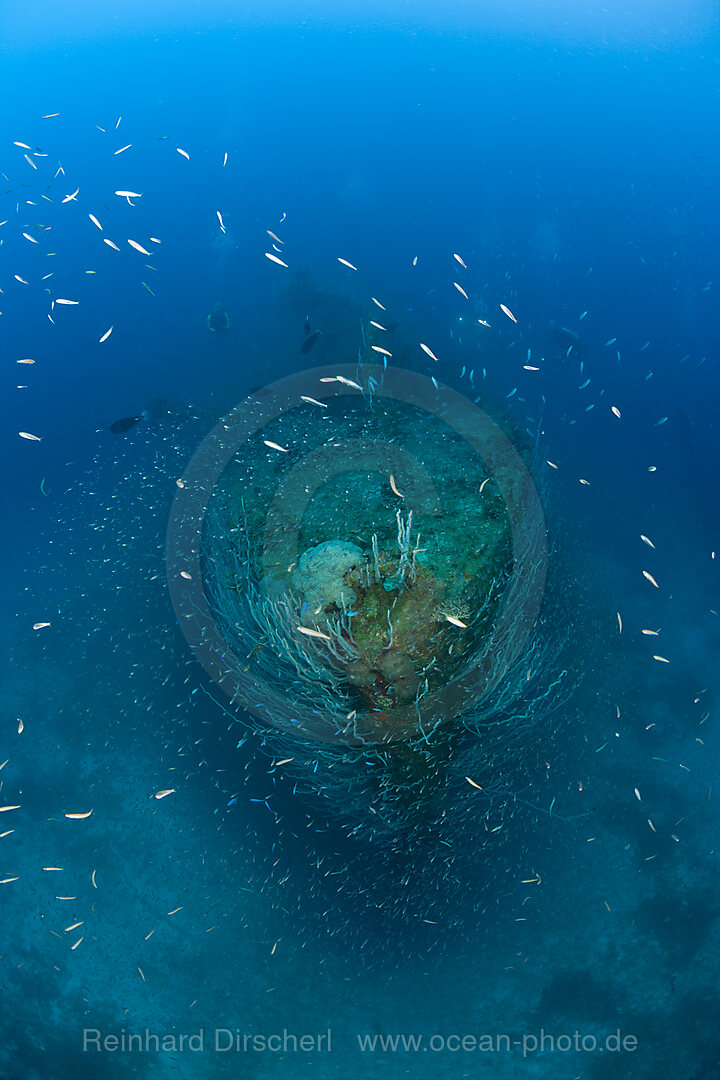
[(321, 577), (391, 623)]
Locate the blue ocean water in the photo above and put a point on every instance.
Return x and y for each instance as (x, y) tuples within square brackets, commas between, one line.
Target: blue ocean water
[(562, 163)]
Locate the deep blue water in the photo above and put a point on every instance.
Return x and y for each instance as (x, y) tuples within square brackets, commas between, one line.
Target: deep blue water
[(571, 158)]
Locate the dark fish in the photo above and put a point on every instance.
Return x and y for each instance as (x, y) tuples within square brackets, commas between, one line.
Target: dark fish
[(307, 325), (125, 424), (310, 342)]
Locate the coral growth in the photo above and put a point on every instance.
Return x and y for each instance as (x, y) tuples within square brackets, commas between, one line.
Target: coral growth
[(321, 578), (385, 616)]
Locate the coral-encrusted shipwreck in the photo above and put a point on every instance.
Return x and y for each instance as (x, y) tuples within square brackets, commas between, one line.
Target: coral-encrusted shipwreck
[(382, 615), (335, 615), (357, 636)]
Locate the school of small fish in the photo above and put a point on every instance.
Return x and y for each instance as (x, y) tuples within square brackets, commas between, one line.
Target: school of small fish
[(97, 329)]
